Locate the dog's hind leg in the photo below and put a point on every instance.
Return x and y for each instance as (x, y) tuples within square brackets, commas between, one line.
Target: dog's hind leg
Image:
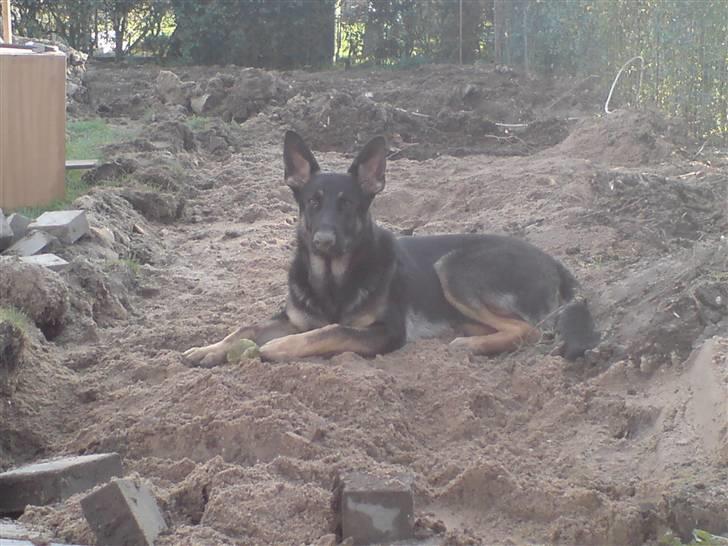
[(216, 353), (493, 332)]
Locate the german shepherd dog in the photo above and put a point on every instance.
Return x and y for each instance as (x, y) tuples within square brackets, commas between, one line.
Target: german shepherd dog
[(353, 286)]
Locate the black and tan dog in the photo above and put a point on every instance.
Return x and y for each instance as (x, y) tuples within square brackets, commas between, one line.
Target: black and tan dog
[(353, 286)]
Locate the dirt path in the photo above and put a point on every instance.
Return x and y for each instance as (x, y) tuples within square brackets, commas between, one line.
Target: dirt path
[(517, 449)]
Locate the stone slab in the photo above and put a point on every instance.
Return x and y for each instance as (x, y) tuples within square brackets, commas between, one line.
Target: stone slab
[(19, 224), (376, 510), (53, 481), (123, 513), (13, 533), (6, 232), (67, 225), (33, 243), (51, 261)]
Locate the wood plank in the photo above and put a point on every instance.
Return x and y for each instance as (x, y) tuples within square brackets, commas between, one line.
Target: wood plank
[(7, 23), (74, 164)]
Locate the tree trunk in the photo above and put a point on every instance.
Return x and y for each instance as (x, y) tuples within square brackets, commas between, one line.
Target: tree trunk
[(499, 27)]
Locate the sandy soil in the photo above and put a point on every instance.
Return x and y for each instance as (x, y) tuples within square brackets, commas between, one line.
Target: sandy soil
[(519, 449)]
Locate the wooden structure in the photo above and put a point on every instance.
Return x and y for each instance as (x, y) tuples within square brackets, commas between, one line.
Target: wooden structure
[(7, 24), (32, 127)]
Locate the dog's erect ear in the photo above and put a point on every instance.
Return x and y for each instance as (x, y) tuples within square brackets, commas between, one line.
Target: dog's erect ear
[(368, 167), (300, 165)]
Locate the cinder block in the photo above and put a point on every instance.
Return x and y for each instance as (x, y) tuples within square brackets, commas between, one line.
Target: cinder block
[(67, 225), (33, 243), (20, 542), (51, 261), (123, 513), (53, 481), (376, 510), (6, 232), (13, 533), (19, 224)]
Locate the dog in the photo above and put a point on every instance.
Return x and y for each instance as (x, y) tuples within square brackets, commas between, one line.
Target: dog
[(354, 287)]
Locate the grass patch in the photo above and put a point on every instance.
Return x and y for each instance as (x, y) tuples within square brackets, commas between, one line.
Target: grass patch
[(15, 317), (129, 263), (198, 123), (84, 140), (700, 538)]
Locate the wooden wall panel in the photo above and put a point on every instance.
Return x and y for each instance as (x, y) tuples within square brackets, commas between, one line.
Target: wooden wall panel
[(32, 128)]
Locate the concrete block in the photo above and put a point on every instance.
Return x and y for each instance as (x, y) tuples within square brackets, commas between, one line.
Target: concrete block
[(376, 510), (19, 224), (52, 481), (6, 232), (198, 103), (67, 225), (13, 533), (123, 513), (33, 243), (51, 261), (21, 542)]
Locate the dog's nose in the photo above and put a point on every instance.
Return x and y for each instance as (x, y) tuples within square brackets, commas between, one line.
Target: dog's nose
[(324, 240)]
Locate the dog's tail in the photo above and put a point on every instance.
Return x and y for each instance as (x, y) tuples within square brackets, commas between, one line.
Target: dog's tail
[(575, 323)]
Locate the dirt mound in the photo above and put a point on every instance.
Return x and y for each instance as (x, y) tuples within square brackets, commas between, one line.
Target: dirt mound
[(37, 291), (626, 138)]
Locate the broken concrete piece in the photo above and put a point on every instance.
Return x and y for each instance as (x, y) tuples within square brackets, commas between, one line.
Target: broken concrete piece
[(374, 510), (198, 103), (52, 481), (6, 232), (13, 533), (123, 513), (31, 244), (67, 225), (51, 261), (19, 224)]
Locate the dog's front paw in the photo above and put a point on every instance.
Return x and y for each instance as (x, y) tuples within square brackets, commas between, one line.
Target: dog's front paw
[(208, 356)]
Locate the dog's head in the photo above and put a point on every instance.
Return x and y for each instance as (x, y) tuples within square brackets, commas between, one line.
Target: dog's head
[(334, 208)]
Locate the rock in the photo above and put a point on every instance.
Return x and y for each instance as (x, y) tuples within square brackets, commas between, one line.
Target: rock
[(374, 510), (33, 243), (53, 481), (160, 207), (173, 90), (68, 225), (6, 232), (123, 513), (198, 103), (19, 224), (51, 261)]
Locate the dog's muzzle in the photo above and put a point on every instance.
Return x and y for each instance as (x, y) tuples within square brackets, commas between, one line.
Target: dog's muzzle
[(324, 241)]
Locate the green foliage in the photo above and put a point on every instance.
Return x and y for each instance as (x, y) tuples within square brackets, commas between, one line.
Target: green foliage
[(684, 42), (281, 34), (15, 317), (700, 538), (129, 263)]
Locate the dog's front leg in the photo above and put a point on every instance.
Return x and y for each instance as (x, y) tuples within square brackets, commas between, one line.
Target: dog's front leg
[(212, 355), (329, 340)]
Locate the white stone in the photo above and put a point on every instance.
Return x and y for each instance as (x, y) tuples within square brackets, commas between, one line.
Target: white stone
[(51, 261), (67, 225), (33, 243)]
